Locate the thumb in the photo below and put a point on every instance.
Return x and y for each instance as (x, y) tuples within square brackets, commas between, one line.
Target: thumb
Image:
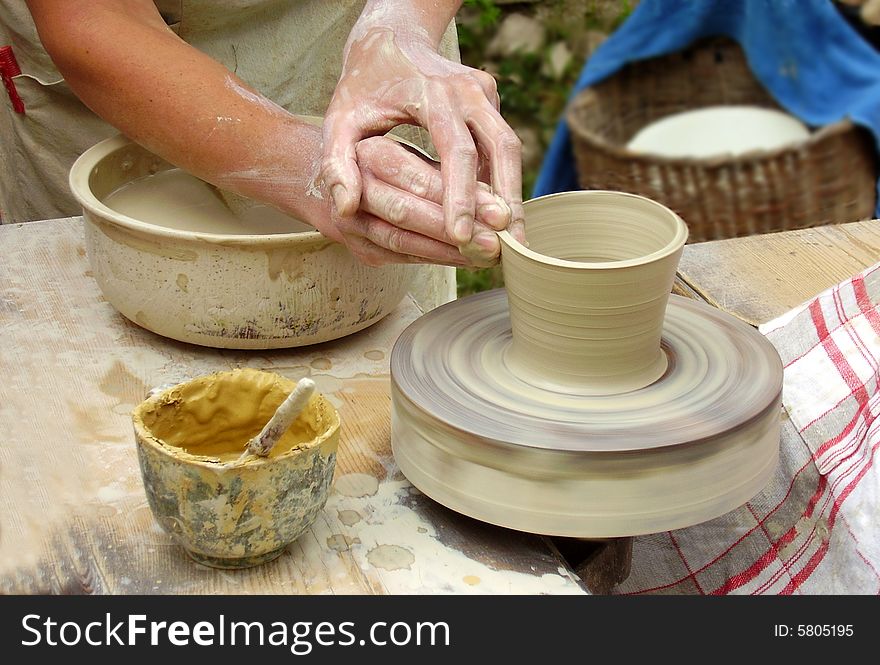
[(339, 167)]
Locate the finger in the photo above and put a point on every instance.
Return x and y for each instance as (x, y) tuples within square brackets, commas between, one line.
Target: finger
[(478, 258), (484, 168), (403, 209), (490, 87), (390, 162), (339, 168), (393, 164), (492, 210), (459, 171), (504, 151), (495, 215), (408, 211), (484, 249), (458, 168), (411, 213), (401, 241), (370, 254)]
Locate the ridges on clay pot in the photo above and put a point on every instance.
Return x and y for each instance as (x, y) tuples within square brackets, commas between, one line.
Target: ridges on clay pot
[(587, 298)]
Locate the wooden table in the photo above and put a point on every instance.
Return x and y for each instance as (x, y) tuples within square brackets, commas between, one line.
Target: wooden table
[(75, 518), (761, 277)]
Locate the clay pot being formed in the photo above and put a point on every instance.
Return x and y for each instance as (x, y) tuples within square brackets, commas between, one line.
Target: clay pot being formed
[(226, 512), (588, 296), (222, 290)]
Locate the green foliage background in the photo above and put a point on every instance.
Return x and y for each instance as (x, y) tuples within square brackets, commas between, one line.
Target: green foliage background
[(531, 99)]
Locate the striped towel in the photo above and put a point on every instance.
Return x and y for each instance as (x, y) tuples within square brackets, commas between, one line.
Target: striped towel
[(816, 528)]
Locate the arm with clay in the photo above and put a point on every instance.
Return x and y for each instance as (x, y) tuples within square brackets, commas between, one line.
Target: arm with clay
[(122, 60), (393, 74)]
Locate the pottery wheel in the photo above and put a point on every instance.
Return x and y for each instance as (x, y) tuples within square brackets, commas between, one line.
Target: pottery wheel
[(700, 441)]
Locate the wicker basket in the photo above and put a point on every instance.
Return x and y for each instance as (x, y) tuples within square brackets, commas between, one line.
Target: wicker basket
[(830, 177)]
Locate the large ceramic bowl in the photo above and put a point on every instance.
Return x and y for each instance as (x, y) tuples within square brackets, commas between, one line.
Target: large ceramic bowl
[(228, 291)]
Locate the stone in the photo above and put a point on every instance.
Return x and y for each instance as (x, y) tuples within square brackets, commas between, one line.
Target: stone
[(558, 60), (517, 33)]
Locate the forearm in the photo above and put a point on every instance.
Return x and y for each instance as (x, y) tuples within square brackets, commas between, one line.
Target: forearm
[(134, 72)]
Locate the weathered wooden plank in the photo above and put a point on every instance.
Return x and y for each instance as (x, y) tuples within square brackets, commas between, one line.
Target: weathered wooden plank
[(761, 277), (680, 288), (75, 518)]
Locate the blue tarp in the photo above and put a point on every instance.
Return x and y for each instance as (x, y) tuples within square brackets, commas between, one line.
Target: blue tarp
[(804, 52)]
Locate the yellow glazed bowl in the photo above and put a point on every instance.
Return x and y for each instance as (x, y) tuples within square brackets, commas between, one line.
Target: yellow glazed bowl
[(224, 512)]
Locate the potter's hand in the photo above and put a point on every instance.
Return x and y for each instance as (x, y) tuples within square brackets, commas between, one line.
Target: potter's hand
[(400, 219), (394, 75)]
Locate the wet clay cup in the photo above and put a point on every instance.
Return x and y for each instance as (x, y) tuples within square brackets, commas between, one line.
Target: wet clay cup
[(226, 512), (587, 297)]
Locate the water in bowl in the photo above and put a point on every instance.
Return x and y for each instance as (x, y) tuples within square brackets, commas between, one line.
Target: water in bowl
[(178, 200)]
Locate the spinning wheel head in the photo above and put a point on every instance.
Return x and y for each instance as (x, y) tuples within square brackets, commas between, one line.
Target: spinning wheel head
[(569, 405)]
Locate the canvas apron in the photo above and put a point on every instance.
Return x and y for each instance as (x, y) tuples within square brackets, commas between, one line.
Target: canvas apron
[(289, 50)]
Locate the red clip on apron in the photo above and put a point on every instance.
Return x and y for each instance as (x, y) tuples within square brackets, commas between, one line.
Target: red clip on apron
[(8, 69)]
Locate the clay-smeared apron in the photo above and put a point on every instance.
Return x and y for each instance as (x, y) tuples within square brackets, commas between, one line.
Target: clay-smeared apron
[(289, 50)]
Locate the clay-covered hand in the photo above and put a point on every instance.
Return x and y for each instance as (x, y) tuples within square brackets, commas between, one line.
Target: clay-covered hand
[(400, 217), (392, 74)]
